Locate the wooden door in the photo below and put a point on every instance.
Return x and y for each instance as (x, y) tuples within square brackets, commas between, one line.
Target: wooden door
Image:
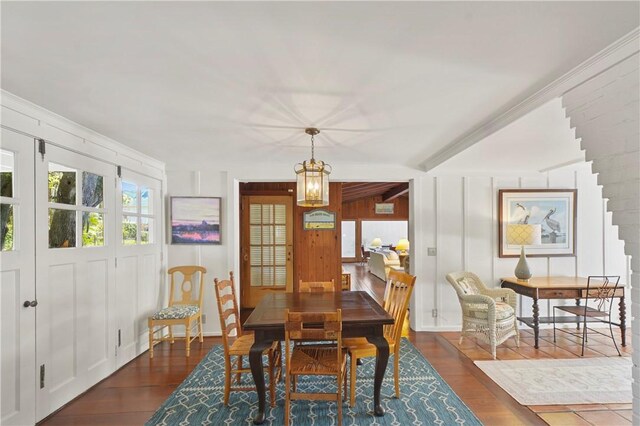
[(75, 275), (17, 281), (267, 247)]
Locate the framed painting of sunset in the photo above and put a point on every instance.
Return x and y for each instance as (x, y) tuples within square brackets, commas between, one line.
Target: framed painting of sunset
[(195, 220)]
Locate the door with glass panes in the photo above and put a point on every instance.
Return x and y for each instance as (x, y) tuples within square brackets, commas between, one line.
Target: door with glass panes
[(266, 248), (17, 286), (139, 274), (75, 275)]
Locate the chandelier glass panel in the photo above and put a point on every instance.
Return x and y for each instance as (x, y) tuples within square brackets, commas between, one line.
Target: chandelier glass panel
[(312, 179)]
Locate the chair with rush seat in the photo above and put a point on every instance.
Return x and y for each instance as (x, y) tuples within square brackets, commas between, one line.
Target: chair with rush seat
[(317, 360), (396, 303), (239, 345)]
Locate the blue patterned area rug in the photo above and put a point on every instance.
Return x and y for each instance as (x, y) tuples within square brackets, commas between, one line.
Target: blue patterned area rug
[(425, 398)]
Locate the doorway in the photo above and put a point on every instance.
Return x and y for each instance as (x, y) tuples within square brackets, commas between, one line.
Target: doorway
[(267, 246)]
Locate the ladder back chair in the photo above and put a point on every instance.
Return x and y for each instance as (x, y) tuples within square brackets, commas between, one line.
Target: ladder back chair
[(316, 286), (596, 306), (399, 291), (185, 310), (317, 360), (487, 313), (239, 345)]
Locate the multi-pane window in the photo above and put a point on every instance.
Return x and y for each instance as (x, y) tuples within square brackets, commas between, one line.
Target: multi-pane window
[(268, 244), (71, 214), (8, 200), (138, 217)]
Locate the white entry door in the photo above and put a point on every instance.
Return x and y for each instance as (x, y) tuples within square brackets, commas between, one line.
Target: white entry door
[(17, 283), (75, 275)]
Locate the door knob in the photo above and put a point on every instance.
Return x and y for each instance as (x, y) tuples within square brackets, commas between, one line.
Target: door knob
[(32, 304)]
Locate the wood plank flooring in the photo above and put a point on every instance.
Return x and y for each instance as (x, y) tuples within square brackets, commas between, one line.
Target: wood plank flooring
[(133, 393)]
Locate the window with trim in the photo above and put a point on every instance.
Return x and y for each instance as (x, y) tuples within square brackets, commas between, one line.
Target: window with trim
[(76, 207), (138, 217)]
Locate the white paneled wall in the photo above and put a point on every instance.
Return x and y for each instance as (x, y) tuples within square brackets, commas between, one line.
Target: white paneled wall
[(213, 257), (462, 223), (605, 112)]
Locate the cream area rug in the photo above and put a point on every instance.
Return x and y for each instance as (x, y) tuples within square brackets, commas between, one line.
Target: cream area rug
[(563, 381)]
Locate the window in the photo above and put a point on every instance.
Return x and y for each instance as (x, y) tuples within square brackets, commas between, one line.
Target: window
[(7, 200), (389, 231), (348, 238), (67, 210), (138, 217)]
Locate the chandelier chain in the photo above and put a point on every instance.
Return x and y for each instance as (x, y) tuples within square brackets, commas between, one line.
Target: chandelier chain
[(312, 149)]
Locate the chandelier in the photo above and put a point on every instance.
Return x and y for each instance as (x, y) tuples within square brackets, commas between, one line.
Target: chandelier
[(312, 178)]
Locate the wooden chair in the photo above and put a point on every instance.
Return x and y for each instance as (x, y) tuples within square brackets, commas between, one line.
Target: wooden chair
[(596, 306), (186, 310), (327, 360), (489, 314), (397, 302), (240, 345), (316, 286)]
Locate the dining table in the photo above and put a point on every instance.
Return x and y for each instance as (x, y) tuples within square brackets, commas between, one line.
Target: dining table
[(362, 316)]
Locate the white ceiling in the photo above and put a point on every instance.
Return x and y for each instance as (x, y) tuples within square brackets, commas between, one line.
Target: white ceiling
[(538, 141), (207, 83)]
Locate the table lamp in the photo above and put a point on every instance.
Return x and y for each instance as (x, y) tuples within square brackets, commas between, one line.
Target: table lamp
[(376, 243), (402, 246), (523, 235)]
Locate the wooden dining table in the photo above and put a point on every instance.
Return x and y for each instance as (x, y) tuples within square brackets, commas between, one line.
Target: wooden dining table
[(362, 316)]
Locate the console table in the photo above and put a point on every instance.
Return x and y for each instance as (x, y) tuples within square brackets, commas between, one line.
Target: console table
[(556, 288)]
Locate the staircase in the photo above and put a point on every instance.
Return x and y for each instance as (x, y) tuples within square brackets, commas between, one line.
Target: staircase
[(605, 112)]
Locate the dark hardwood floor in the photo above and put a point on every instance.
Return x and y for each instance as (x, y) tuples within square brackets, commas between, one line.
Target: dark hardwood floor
[(133, 393)]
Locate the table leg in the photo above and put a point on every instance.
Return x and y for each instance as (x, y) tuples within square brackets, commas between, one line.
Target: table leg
[(577, 320), (382, 358), (536, 322), (257, 371), (623, 317)]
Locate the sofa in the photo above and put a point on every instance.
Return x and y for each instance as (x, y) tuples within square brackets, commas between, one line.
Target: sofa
[(381, 261)]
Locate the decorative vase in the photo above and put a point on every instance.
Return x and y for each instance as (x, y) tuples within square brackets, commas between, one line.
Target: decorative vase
[(522, 268)]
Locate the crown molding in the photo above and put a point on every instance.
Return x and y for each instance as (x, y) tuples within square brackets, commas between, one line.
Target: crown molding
[(43, 115), (613, 54)]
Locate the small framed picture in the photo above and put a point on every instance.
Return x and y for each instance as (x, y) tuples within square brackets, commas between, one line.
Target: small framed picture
[(195, 220), (553, 209), (384, 208)]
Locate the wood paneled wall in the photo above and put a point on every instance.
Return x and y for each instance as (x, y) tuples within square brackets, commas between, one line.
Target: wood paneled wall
[(365, 209), (319, 251), (316, 253)]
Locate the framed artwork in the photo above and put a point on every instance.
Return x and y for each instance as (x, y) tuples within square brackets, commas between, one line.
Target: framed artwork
[(195, 220), (553, 209), (384, 208)]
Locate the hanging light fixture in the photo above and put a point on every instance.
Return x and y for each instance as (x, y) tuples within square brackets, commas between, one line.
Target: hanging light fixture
[(312, 178)]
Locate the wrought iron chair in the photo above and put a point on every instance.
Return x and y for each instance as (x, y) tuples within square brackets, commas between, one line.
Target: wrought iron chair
[(488, 314), (596, 306), (186, 311), (316, 360), (396, 302), (240, 345)]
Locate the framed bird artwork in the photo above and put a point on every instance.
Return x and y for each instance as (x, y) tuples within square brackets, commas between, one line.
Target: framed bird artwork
[(554, 210)]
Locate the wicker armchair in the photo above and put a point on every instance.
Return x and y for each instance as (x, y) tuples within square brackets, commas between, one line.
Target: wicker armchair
[(489, 314)]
